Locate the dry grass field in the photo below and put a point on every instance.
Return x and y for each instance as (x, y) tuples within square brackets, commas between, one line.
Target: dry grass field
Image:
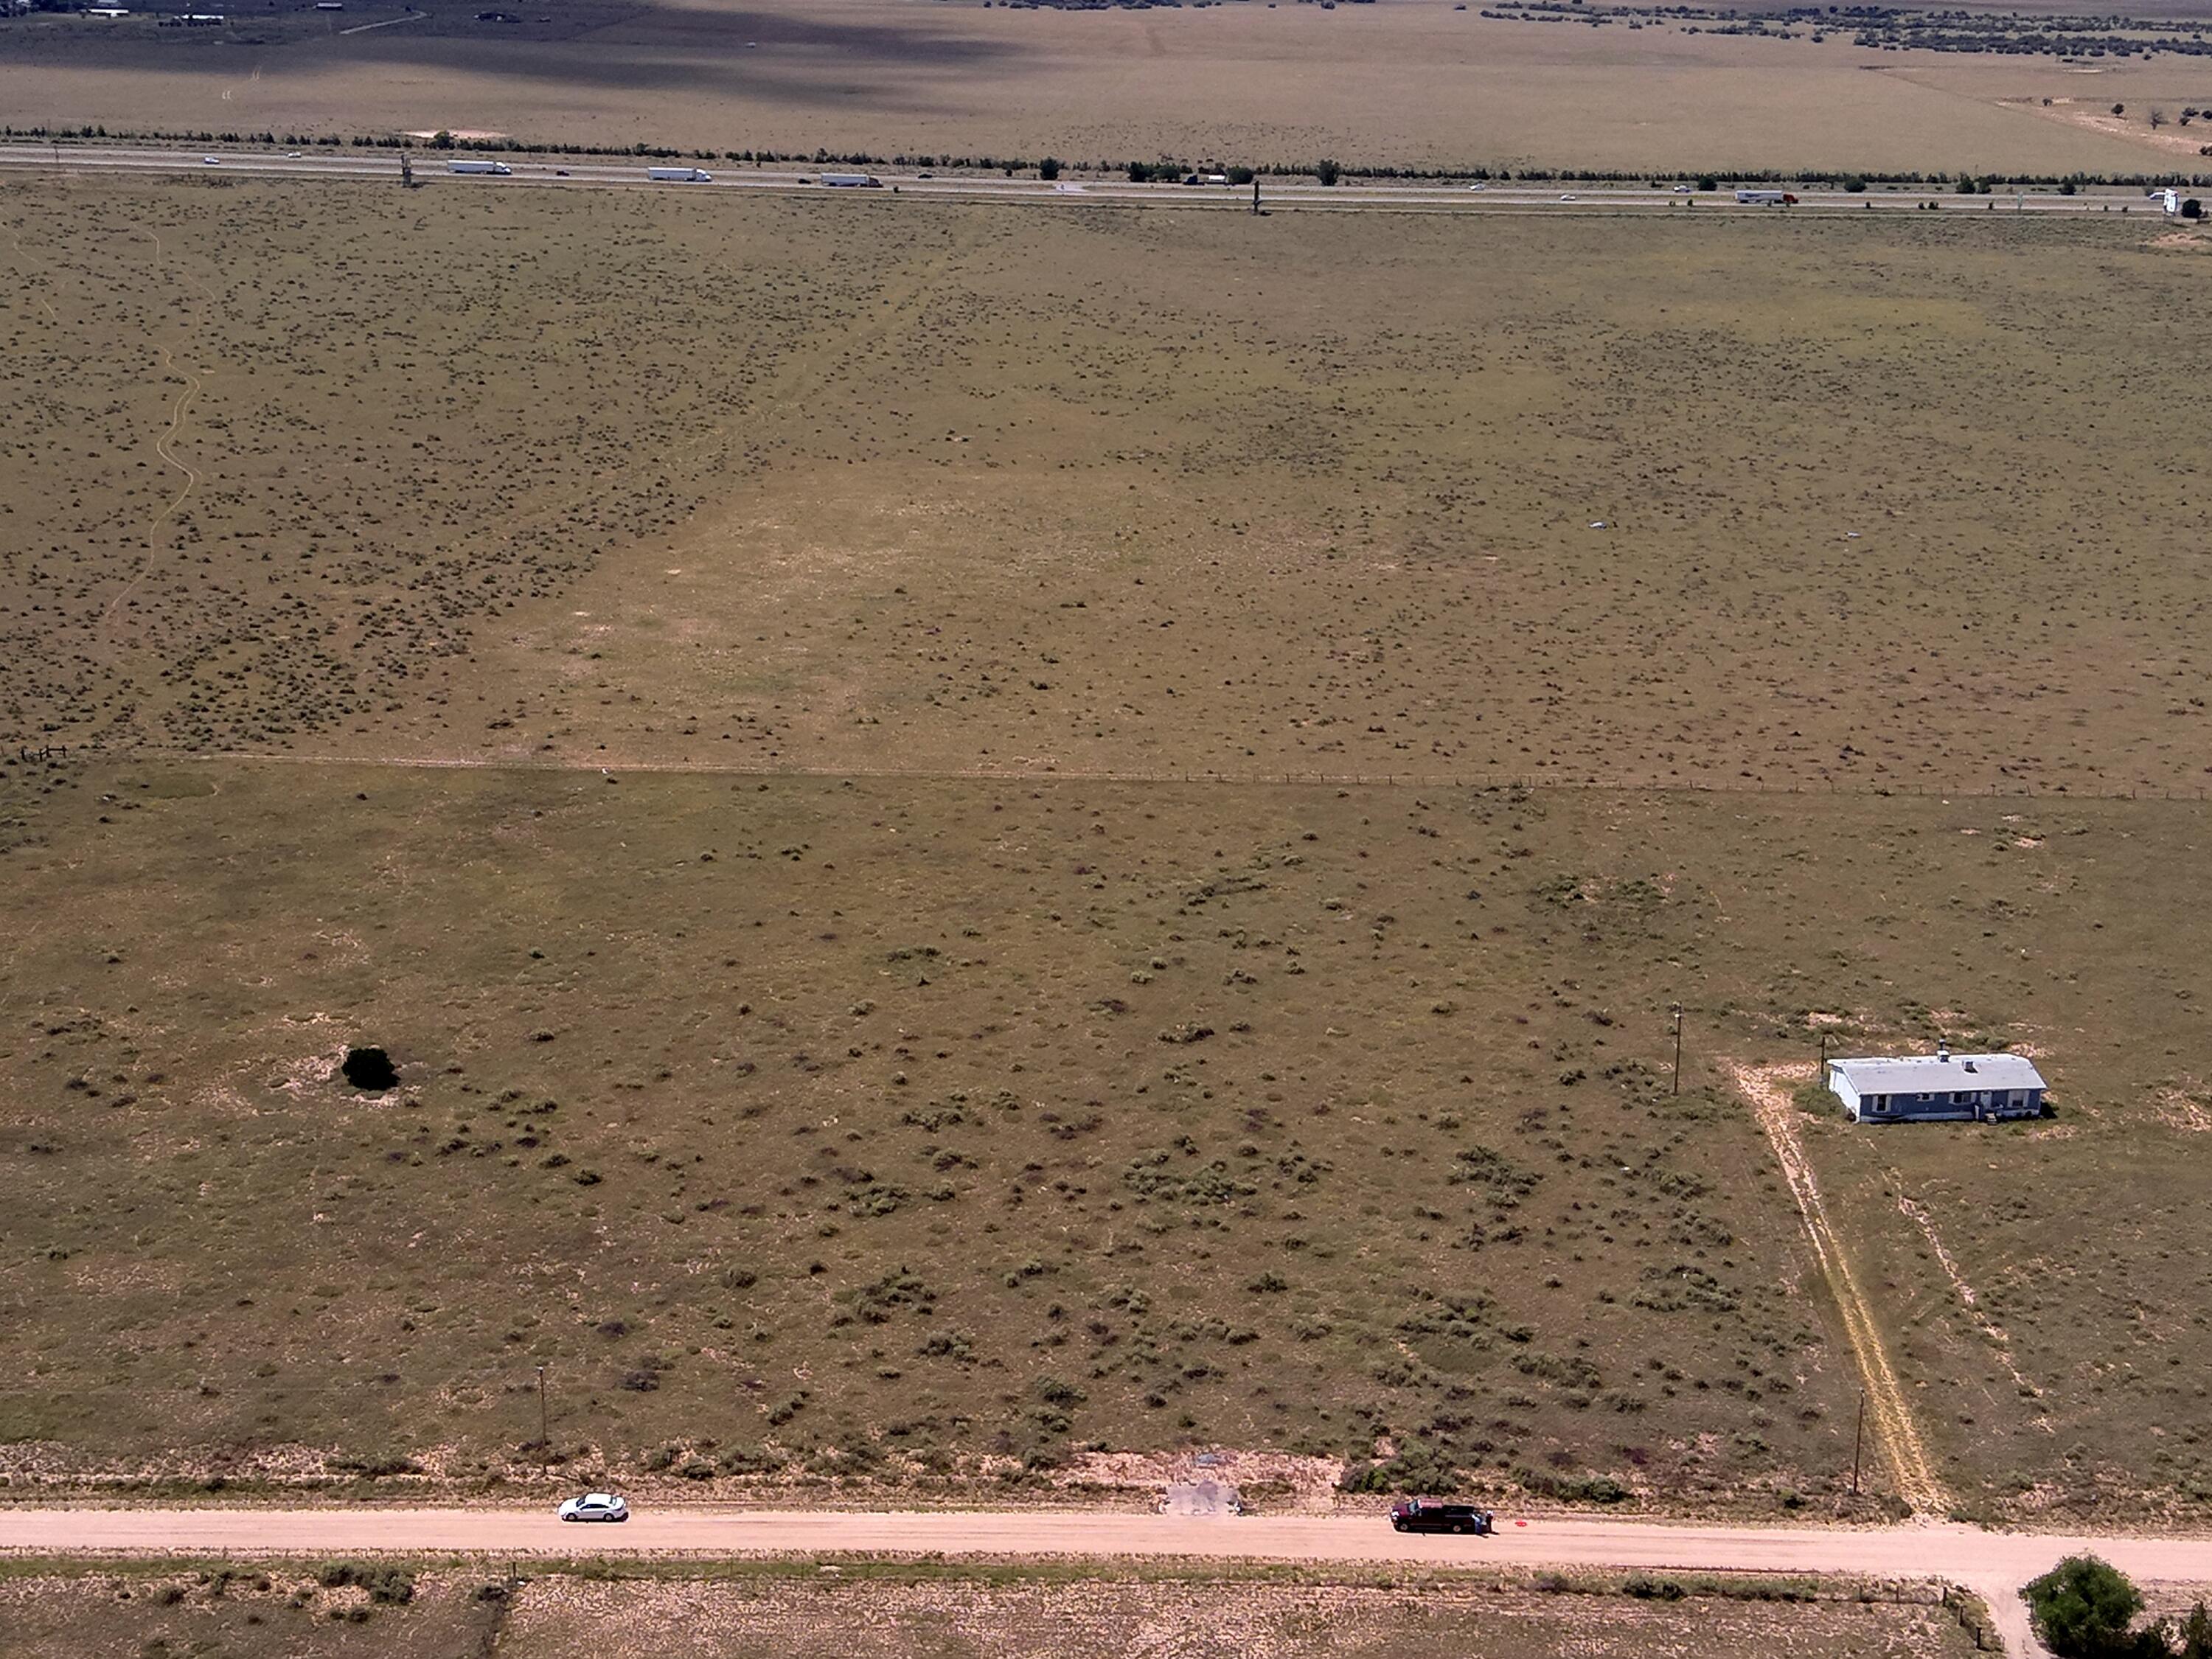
[(867, 1115), (285, 1613), (1403, 82), (623, 476), (867, 1612), (887, 1127)]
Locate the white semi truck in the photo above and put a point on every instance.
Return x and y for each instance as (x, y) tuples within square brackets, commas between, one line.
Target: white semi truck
[(1766, 198), (680, 175), (852, 181), (499, 169)]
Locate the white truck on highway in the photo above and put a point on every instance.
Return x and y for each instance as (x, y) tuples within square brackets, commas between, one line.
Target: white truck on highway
[(1766, 198), (499, 169), (680, 175), (852, 181)]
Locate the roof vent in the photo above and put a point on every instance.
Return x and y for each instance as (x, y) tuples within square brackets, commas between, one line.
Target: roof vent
[(1969, 1065), (1943, 1052)]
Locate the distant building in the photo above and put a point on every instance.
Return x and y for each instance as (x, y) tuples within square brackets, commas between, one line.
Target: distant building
[(1942, 1086)]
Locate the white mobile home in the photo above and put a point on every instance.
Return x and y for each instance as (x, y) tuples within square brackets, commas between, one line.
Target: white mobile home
[(1941, 1086)]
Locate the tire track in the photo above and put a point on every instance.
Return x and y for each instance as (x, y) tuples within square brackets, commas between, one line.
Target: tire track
[(1912, 1469)]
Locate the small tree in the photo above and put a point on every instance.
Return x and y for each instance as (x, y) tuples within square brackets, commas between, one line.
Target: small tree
[(2119, 109), (1140, 172), (2193, 1640), (2193, 209), (1050, 168), (2157, 118), (2083, 1608), (1327, 171)]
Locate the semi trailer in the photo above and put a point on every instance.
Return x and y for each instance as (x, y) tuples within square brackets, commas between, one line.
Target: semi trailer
[(499, 167), (680, 175)]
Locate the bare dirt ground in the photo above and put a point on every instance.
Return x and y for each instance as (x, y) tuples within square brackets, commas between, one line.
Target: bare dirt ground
[(870, 1609)]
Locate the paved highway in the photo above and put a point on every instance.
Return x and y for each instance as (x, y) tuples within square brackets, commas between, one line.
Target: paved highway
[(1995, 1564), (430, 168)]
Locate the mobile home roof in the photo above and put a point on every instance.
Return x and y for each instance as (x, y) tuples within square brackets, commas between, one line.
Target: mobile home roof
[(1917, 1073)]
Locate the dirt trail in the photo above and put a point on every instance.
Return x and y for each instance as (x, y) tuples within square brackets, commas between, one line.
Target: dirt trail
[(193, 477), (1911, 1466)]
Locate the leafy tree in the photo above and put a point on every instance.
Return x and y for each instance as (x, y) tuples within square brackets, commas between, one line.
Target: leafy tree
[(2193, 209), (2194, 1635), (1050, 168), (2119, 109), (1240, 175), (1709, 184), (1327, 171), (2157, 118), (1140, 172), (2083, 1608)]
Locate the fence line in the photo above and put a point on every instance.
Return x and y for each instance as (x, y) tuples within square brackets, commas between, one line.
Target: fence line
[(1491, 781)]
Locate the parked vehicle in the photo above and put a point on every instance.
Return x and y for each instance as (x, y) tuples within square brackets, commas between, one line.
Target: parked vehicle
[(595, 1506), (680, 175), (499, 169), (1426, 1515)]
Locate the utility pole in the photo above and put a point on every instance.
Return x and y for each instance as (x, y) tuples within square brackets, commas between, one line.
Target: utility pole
[(407, 182), (1858, 1438), (1255, 193), (545, 1432), (1678, 1050)]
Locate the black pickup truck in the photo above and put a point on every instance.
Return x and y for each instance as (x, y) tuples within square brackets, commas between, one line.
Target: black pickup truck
[(1425, 1515)]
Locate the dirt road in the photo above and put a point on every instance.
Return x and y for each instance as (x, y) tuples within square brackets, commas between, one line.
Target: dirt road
[(1995, 1564), (1911, 1469)]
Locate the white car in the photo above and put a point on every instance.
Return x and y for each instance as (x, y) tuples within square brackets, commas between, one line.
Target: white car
[(595, 1506), (1478, 186), (1570, 198), (210, 160), (291, 154)]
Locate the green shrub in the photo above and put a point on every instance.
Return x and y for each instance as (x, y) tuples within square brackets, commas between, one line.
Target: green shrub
[(2083, 1608), (389, 1586)]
